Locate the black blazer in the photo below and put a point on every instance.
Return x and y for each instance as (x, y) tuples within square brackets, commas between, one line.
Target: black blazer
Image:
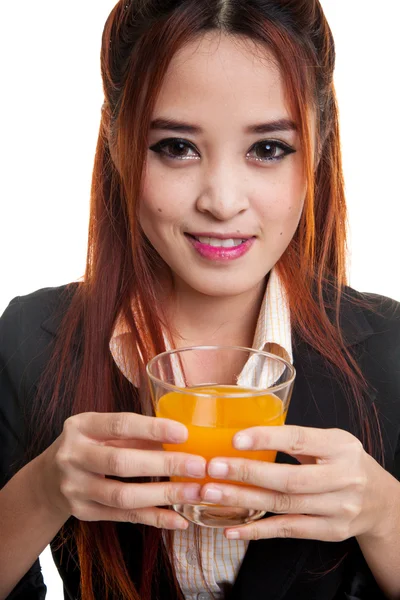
[(276, 569)]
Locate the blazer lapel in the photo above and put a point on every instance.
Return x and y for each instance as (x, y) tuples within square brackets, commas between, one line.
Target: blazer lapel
[(270, 567)]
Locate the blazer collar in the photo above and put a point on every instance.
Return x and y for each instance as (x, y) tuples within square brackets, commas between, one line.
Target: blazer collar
[(353, 321), (57, 307)]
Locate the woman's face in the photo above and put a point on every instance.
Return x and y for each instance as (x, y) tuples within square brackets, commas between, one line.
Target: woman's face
[(218, 179)]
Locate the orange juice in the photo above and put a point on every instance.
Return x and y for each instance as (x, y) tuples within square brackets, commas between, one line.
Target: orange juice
[(212, 421)]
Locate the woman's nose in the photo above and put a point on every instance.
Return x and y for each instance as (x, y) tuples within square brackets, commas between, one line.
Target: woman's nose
[(223, 195)]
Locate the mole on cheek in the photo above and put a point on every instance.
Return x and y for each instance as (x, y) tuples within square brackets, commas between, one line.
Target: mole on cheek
[(281, 232), (159, 210)]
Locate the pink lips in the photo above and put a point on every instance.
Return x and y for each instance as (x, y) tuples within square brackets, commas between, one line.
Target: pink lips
[(220, 253)]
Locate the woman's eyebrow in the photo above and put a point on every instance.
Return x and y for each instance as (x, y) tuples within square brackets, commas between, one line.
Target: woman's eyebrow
[(178, 126)]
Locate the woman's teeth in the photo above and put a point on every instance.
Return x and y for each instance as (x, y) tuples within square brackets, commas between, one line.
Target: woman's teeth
[(231, 243)]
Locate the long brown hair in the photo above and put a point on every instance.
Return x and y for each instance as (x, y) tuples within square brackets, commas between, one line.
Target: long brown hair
[(140, 38)]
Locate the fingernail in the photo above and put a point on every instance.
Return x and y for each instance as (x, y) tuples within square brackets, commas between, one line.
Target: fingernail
[(218, 469), (196, 468), (243, 442), (192, 492), (232, 535), (213, 495), (177, 433), (181, 524)]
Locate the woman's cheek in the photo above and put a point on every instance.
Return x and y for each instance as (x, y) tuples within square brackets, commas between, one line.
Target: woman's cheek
[(164, 194), (280, 214), (283, 209)]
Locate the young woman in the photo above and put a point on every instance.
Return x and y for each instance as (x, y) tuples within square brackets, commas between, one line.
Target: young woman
[(218, 217)]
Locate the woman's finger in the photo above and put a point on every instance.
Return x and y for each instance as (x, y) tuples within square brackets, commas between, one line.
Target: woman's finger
[(260, 499), (298, 441), (122, 425), (292, 526), (128, 462), (289, 479), (156, 517), (128, 496)]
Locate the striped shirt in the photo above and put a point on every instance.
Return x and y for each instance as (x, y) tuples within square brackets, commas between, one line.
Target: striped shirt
[(221, 558)]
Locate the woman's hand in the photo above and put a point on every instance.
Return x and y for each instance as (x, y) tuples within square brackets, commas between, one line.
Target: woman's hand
[(93, 445), (338, 491)]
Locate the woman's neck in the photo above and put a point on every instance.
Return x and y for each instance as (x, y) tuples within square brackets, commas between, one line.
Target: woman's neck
[(198, 319)]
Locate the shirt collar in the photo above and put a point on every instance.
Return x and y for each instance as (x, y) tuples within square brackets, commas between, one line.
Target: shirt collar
[(273, 329)]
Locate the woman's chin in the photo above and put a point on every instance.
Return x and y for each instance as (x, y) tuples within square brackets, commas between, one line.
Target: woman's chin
[(220, 287)]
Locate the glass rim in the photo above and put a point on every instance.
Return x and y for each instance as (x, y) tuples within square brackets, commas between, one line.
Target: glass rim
[(254, 391)]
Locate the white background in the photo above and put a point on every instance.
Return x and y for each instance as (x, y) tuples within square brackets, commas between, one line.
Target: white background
[(50, 108)]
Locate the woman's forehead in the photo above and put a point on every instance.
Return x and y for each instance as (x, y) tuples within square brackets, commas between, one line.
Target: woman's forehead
[(223, 74)]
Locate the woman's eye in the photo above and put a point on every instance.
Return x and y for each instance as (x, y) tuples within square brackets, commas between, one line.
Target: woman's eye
[(270, 151), (175, 148)]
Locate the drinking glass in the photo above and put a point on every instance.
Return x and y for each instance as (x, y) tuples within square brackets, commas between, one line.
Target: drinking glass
[(217, 391)]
